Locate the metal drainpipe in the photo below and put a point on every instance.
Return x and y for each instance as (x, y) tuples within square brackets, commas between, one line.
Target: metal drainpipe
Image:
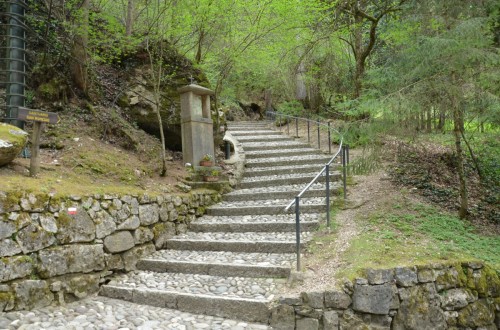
[(16, 59)]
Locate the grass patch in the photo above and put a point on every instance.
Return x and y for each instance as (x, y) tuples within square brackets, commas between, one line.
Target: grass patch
[(410, 233)]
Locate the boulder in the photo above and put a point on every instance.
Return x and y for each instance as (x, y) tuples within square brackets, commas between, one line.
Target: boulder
[(12, 141)]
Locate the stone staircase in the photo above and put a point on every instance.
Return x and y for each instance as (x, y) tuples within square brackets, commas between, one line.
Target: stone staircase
[(236, 258)]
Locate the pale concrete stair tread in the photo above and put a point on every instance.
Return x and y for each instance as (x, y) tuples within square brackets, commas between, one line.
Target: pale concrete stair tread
[(231, 306), (334, 175), (282, 242), (259, 207), (240, 132), (280, 153), (265, 193), (282, 161), (266, 218), (252, 146), (285, 169), (262, 138), (220, 263)]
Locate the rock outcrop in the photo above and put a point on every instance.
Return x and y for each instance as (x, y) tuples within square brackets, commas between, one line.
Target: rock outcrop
[(12, 141)]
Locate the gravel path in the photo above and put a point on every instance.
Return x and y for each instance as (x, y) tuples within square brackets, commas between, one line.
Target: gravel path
[(257, 218)]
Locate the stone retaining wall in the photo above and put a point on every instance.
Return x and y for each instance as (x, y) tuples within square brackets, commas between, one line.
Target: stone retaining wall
[(48, 254), (444, 296)]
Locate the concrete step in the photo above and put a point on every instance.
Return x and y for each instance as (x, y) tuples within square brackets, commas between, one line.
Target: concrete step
[(219, 263), (281, 192), (280, 153), (263, 138), (318, 160), (252, 146), (240, 298), (308, 205), (286, 169), (284, 179), (240, 132), (249, 242)]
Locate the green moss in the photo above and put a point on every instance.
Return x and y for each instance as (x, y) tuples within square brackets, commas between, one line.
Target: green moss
[(16, 139), (477, 314), (158, 229), (63, 220), (6, 298)]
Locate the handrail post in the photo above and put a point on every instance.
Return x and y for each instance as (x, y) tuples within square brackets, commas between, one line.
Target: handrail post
[(327, 174), (319, 145), (347, 151), (297, 230), (329, 139), (344, 170), (297, 127), (308, 130)]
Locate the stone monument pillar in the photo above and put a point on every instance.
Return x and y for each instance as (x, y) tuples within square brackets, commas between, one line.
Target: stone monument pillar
[(196, 123)]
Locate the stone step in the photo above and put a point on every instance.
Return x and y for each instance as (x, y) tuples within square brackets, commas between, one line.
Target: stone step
[(256, 146), (284, 179), (240, 298), (318, 189), (263, 138), (286, 169), (319, 160), (219, 263), (238, 133), (250, 242), (308, 205), (280, 153), (258, 226)]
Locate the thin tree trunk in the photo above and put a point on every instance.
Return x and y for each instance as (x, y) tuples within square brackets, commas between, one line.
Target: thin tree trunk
[(457, 129), (79, 64), (129, 21)]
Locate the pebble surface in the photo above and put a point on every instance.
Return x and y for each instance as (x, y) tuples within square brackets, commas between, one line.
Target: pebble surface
[(111, 314), (262, 289), (270, 202), (242, 237), (224, 257), (207, 219), (294, 187)]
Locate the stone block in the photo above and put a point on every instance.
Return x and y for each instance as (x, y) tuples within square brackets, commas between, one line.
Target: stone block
[(119, 242), (32, 294), (149, 214), (75, 228), (478, 314), (48, 222), (330, 320), (405, 276), (104, 224), (419, 309), (455, 299), (7, 228), (12, 268), (282, 318), (426, 275), (379, 276), (33, 238), (9, 248), (337, 300), (117, 292), (452, 277), (131, 257), (143, 235), (162, 232), (291, 300), (181, 228), (70, 259), (373, 299), (81, 286), (130, 223), (114, 261), (307, 324), (313, 299), (351, 320)]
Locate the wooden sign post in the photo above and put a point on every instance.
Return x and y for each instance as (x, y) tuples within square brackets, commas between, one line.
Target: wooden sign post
[(39, 118)]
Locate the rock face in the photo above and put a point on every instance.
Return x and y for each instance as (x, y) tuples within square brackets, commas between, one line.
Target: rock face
[(137, 101), (12, 141)]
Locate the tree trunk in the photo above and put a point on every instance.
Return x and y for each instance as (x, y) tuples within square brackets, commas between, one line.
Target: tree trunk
[(268, 97), (79, 63), (129, 20), (458, 125), (429, 120)]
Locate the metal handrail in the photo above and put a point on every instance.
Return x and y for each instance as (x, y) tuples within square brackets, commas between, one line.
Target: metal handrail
[(344, 149)]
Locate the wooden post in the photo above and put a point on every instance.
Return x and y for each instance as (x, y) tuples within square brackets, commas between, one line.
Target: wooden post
[(35, 149)]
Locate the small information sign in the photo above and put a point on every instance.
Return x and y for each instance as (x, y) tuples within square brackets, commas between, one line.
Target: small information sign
[(37, 116)]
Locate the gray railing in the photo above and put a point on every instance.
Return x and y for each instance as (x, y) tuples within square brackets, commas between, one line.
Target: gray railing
[(342, 151)]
